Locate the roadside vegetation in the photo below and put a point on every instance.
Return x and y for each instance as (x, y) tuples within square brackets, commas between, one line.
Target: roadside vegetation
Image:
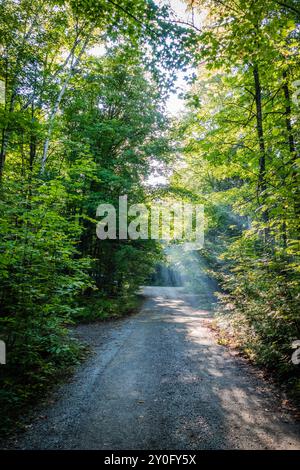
[(83, 120), (240, 141)]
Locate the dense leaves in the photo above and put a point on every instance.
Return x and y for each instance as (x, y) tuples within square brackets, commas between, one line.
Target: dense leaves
[(241, 153), (82, 121)]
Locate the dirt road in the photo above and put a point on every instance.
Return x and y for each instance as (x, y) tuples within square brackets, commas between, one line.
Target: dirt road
[(158, 380)]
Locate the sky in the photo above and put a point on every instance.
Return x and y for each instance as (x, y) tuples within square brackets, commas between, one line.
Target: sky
[(174, 105)]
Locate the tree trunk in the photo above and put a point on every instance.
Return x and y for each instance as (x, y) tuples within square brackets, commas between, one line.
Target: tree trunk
[(58, 101), (5, 136), (262, 185), (291, 143)]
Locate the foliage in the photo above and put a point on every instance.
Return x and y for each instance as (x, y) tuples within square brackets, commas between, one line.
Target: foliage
[(81, 123), (240, 141)]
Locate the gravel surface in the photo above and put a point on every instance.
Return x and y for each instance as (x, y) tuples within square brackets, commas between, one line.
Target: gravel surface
[(158, 380)]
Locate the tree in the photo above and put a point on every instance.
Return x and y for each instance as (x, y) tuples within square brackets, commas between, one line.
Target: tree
[(76, 130), (241, 146)]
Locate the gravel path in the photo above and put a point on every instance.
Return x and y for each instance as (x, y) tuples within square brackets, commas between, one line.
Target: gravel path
[(158, 380)]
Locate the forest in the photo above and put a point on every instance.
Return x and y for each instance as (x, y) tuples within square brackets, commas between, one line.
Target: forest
[(84, 120)]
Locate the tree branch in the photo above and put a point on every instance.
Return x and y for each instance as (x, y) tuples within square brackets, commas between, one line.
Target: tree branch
[(186, 23), (290, 7)]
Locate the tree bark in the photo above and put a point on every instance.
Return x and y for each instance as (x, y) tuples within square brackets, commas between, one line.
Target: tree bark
[(5, 136), (58, 101), (291, 143), (262, 184)]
